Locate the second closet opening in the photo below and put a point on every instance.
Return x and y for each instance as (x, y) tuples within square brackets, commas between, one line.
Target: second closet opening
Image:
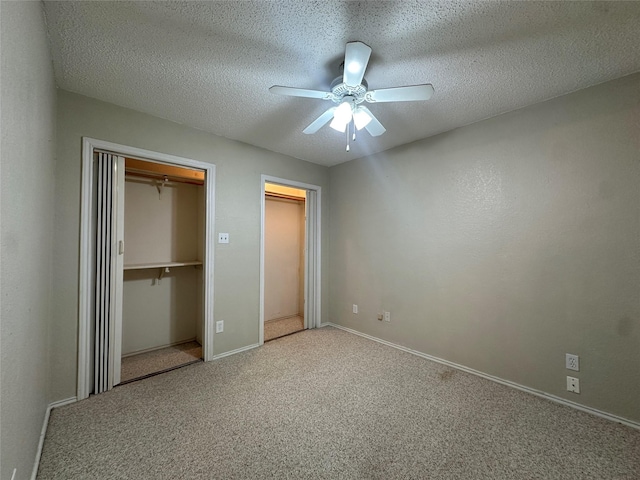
[(284, 260)]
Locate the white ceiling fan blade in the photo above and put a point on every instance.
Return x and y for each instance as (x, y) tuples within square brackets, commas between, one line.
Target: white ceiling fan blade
[(400, 94), (319, 122), (374, 127), (300, 92), (356, 58)]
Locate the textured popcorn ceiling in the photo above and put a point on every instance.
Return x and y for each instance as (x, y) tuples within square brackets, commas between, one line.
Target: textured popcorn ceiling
[(209, 65)]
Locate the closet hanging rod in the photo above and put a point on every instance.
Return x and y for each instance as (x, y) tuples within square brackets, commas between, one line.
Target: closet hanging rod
[(143, 177), (154, 170), (130, 174), (286, 197)]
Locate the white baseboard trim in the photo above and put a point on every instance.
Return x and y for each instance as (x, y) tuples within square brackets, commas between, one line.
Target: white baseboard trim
[(508, 383), (43, 432), (153, 349), (284, 318), (233, 352)]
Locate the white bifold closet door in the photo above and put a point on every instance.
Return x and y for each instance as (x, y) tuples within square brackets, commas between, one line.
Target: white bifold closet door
[(109, 270)]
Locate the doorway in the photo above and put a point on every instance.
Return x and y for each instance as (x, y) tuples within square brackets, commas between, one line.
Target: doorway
[(289, 257), (284, 241), (99, 341)]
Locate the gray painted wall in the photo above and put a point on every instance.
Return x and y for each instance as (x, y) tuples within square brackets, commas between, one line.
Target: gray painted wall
[(27, 212), (505, 244), (238, 170)]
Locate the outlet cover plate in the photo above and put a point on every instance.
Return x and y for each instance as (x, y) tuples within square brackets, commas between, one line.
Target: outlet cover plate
[(387, 316), (223, 238), (572, 362), (220, 326), (573, 384), (355, 308)]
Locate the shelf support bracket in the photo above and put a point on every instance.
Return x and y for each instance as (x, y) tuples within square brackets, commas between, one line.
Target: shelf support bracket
[(163, 270), (160, 186)]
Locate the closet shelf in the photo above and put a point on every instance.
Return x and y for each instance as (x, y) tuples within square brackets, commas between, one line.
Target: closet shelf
[(143, 266)]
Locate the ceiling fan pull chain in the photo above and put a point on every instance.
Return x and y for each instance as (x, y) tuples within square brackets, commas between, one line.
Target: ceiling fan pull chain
[(347, 137)]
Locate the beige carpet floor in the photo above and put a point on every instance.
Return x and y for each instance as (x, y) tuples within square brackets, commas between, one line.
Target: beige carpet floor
[(144, 364), (281, 327), (327, 404)]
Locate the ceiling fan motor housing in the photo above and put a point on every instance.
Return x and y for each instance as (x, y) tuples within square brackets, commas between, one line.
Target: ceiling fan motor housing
[(340, 90)]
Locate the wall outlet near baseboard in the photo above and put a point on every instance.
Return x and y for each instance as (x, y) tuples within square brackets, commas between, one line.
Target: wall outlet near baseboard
[(572, 362), (387, 316), (220, 326), (355, 308), (573, 384)]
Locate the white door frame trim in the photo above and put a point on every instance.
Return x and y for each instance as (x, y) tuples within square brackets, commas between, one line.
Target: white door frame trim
[(315, 216), (86, 227)]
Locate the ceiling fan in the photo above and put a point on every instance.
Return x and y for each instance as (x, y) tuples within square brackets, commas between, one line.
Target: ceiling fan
[(348, 93)]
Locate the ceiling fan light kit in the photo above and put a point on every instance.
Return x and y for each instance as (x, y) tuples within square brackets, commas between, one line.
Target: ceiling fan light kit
[(361, 118), (349, 91)]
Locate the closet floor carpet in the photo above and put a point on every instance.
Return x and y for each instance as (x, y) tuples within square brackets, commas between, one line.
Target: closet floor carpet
[(282, 326), (144, 364)]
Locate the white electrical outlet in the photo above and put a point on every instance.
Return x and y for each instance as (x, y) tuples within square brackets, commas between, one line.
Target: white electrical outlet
[(572, 362), (223, 238), (387, 316), (573, 384), (220, 326), (355, 308)]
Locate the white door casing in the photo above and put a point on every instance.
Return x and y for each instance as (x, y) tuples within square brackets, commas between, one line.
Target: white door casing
[(312, 270), (85, 314)]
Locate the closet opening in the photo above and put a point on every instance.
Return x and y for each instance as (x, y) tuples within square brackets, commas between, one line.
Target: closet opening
[(284, 241), (290, 257), (146, 264), (162, 301)]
